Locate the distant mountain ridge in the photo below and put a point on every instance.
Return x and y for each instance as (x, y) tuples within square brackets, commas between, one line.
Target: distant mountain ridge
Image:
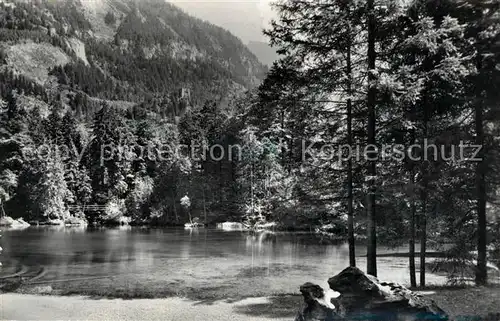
[(264, 52)]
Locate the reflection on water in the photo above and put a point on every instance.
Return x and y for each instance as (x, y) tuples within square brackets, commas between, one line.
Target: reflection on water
[(238, 261)]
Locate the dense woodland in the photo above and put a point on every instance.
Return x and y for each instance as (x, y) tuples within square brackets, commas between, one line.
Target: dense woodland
[(351, 73), (393, 74)]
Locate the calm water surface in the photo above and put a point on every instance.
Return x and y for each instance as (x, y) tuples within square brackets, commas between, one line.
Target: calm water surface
[(206, 262)]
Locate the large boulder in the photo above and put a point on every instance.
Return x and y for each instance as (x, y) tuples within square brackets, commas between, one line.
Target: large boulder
[(12, 223), (319, 305), (7, 221), (232, 226), (363, 297)]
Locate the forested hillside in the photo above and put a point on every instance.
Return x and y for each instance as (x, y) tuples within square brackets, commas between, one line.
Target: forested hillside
[(77, 77)]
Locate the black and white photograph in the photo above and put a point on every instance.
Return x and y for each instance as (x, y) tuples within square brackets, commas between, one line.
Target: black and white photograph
[(250, 160)]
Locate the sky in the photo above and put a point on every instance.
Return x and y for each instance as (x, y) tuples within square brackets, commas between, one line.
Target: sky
[(244, 18)]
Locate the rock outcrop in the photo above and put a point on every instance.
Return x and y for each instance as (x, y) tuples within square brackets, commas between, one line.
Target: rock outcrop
[(363, 297)]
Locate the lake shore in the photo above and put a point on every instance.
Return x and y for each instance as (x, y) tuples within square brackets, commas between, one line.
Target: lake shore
[(13, 307), (463, 303)]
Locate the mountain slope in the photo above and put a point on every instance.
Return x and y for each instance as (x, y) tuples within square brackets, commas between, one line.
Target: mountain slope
[(128, 50)]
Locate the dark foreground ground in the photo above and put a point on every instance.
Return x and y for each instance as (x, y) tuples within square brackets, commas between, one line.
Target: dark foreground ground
[(469, 303)]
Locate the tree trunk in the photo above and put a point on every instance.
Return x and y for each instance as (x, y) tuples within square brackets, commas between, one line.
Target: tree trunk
[(350, 207), (371, 256), (481, 270), (221, 183), (2, 211), (251, 191), (204, 206), (175, 208), (413, 276), (284, 162), (423, 235), (424, 197)]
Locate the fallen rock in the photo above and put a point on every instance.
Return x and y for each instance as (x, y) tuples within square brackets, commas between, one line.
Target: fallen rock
[(6, 221), (22, 223), (231, 226), (319, 304), (12, 223), (38, 290), (363, 297), (75, 221)]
